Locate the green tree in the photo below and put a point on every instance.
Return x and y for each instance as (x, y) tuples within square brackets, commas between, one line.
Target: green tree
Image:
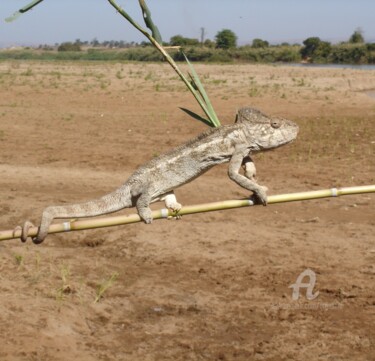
[(259, 43), (209, 43), (94, 42), (315, 49), (226, 39), (179, 40), (357, 37), (68, 46)]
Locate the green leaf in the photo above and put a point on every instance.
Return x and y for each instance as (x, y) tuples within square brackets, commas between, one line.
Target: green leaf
[(199, 86), (213, 120), (23, 10), (149, 23), (13, 17), (197, 117)]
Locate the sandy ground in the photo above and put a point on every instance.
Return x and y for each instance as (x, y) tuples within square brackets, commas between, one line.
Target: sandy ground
[(208, 287)]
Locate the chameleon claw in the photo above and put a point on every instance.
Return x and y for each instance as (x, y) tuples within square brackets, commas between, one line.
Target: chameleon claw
[(175, 215), (261, 195), (257, 199), (36, 240)]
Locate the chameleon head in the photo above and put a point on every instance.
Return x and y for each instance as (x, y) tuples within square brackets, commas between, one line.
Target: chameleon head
[(266, 132)]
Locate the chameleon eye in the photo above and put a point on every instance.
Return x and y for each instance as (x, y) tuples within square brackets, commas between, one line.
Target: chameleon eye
[(275, 124)]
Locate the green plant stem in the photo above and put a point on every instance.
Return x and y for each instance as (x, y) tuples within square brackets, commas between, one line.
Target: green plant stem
[(167, 57), (156, 41)]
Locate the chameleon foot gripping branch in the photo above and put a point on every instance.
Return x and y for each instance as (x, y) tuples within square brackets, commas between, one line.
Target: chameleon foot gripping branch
[(200, 208)]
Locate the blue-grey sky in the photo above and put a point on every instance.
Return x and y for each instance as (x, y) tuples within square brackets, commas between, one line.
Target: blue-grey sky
[(55, 21)]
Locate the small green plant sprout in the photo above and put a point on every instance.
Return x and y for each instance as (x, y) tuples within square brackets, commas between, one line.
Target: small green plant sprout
[(65, 287), (192, 82), (19, 259), (104, 285), (37, 262)]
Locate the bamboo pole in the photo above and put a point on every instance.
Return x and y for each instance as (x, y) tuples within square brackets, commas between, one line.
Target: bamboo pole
[(199, 208)]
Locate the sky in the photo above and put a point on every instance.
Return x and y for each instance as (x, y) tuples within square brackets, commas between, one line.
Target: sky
[(56, 21)]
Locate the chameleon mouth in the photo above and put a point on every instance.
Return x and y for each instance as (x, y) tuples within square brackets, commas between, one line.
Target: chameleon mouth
[(290, 134), (284, 136)]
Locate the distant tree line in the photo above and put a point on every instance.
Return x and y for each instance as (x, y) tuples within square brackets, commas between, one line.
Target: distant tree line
[(354, 51), (223, 49)]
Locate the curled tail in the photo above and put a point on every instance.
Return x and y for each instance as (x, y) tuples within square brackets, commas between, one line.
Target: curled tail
[(112, 202)]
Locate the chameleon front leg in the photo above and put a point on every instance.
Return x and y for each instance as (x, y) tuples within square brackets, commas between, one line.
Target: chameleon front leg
[(143, 207), (248, 182)]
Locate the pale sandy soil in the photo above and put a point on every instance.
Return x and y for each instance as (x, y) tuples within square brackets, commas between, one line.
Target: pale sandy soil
[(207, 287)]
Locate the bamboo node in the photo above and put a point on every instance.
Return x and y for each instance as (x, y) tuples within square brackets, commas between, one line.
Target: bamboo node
[(334, 192), (164, 213), (67, 226)]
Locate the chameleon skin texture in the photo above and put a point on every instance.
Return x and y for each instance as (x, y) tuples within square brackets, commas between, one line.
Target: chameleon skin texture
[(252, 132)]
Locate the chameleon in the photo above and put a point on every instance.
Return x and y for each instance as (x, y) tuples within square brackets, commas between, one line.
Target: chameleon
[(156, 180)]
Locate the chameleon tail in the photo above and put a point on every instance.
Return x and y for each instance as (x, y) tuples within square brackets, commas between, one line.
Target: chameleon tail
[(109, 203)]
